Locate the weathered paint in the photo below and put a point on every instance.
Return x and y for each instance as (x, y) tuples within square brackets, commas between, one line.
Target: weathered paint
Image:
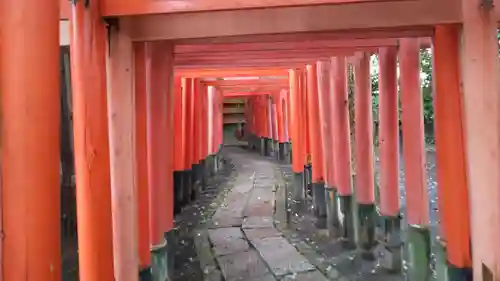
[(159, 69), (450, 147), (397, 18), (365, 175), (30, 183), (314, 125), (88, 74), (417, 210), (341, 126), (296, 130), (482, 135), (389, 132), (121, 117), (141, 155), (325, 108)]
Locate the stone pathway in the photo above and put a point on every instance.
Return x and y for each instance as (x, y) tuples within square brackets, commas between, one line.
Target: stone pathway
[(241, 241)]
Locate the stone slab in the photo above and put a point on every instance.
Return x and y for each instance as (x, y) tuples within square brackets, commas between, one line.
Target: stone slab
[(261, 233), (225, 218), (258, 222), (305, 276), (260, 203), (227, 241), (281, 256), (242, 266)]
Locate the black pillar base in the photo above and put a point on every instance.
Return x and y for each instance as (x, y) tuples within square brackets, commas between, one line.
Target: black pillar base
[(170, 253), (178, 195), (366, 230), (285, 153), (203, 173), (145, 274), (419, 253), (195, 181), (308, 180), (263, 146), (319, 204), (346, 221), (211, 165), (445, 271), (390, 227), (160, 270), (187, 178), (332, 221), (297, 191), (276, 150)]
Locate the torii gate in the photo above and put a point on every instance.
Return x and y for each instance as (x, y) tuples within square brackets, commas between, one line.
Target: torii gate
[(29, 83)]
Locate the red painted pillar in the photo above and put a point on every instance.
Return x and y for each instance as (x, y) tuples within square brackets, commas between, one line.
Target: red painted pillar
[(389, 132), (159, 71), (314, 134), (417, 200), (451, 168), (281, 123), (204, 134), (305, 122), (365, 175), (482, 134), (121, 106), (297, 134), (325, 99), (188, 114), (342, 146), (88, 75), (197, 137), (29, 83), (177, 154), (325, 108), (141, 159), (389, 153)]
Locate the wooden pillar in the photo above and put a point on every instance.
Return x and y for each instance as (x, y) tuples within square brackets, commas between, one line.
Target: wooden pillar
[(274, 121), (187, 94), (365, 175), (306, 157), (30, 106), (296, 134), (204, 134), (141, 160), (318, 180), (342, 147), (159, 67), (197, 142), (90, 121), (482, 133), (325, 95), (178, 144), (451, 168), (281, 124), (121, 112), (417, 200), (389, 157)]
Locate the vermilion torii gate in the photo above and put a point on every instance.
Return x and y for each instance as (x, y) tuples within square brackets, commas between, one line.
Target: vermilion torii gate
[(126, 56)]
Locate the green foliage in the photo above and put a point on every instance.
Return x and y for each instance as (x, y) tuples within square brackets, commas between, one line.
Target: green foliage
[(426, 82)]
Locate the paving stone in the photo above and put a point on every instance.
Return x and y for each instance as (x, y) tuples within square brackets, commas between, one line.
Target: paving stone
[(260, 233), (242, 266), (225, 218), (243, 187), (267, 277), (260, 203), (227, 240), (281, 256), (306, 276), (258, 222)]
